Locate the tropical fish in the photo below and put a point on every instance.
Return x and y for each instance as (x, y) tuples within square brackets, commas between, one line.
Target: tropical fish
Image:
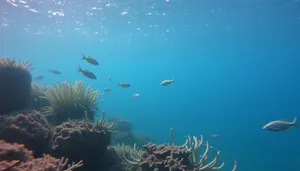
[(167, 82), (54, 71), (107, 90), (136, 95), (87, 73), (280, 125), (215, 136), (38, 78), (90, 60), (124, 85)]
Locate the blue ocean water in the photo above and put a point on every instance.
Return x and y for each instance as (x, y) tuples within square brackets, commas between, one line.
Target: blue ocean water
[(235, 63)]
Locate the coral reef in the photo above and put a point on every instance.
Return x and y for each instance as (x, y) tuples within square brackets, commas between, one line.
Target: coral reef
[(15, 157), (69, 101), (84, 140), (38, 98), (125, 150), (167, 157), (15, 87), (27, 127)]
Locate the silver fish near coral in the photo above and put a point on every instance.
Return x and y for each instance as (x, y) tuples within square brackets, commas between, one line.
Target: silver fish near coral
[(280, 125), (124, 85), (90, 60), (107, 90), (38, 78), (167, 82), (87, 73), (54, 71)]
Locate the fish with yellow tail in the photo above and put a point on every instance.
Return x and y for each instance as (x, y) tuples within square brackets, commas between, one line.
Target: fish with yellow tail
[(280, 125)]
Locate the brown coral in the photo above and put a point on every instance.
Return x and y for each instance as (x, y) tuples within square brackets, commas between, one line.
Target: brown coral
[(29, 128), (84, 140), (165, 157), (15, 157)]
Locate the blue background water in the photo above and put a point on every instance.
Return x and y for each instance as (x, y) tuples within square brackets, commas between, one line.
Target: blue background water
[(236, 67)]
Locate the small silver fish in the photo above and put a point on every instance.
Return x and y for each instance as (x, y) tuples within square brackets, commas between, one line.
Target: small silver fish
[(87, 73), (109, 78), (54, 71), (107, 90), (90, 60), (124, 85), (280, 125), (167, 82), (136, 95), (215, 136), (38, 78)]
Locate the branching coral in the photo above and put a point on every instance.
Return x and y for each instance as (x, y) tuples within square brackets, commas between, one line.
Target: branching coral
[(124, 152), (176, 158), (193, 145), (15, 87), (15, 157), (69, 101)]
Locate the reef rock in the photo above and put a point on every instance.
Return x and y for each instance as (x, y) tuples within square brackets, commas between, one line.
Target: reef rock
[(29, 128)]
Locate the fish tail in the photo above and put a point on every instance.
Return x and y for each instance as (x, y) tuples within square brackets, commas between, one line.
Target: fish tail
[(79, 69), (83, 57), (173, 79), (118, 85), (295, 122)]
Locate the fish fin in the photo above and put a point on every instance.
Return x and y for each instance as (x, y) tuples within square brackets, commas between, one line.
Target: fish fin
[(173, 79), (297, 125), (83, 57), (118, 85), (79, 69), (295, 120)]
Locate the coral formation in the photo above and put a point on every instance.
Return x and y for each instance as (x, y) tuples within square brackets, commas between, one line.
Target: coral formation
[(84, 140), (27, 127), (167, 157), (125, 151), (15, 87), (15, 157), (69, 101)]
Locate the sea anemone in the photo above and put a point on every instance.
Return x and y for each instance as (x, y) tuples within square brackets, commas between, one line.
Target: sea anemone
[(15, 87), (69, 101)]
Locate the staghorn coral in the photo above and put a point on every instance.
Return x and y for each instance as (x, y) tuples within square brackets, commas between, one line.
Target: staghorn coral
[(83, 139), (167, 157), (69, 101), (27, 127), (15, 87), (15, 157), (124, 152)]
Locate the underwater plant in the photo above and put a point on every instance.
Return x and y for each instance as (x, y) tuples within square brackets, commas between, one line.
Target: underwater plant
[(125, 151), (15, 87), (166, 157), (69, 101)]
